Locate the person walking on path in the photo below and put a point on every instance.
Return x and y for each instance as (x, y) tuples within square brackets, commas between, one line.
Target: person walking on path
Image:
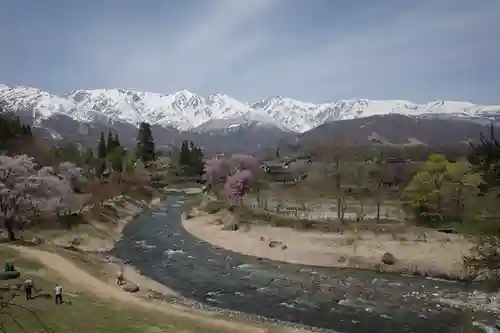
[(58, 291), (28, 288)]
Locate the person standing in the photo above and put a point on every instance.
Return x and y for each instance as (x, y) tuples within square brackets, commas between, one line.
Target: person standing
[(119, 277), (58, 291), (28, 288)]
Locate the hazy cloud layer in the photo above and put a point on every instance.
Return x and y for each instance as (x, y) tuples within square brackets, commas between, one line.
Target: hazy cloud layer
[(315, 51)]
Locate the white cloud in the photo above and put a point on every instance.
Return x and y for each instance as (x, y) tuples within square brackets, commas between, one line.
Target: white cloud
[(415, 46), (210, 41), (417, 50)]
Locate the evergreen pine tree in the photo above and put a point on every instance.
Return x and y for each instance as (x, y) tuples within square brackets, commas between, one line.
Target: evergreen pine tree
[(11, 128), (18, 126), (184, 155), (196, 160), (88, 156), (115, 158), (116, 140), (191, 159), (145, 143), (101, 149), (110, 144), (486, 156)]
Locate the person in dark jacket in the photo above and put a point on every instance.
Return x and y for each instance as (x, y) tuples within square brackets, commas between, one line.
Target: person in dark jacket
[(28, 288)]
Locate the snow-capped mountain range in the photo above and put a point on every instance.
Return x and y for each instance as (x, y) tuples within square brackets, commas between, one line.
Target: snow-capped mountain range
[(186, 111)]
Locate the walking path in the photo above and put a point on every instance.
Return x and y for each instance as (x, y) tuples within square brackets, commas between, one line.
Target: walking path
[(75, 275)]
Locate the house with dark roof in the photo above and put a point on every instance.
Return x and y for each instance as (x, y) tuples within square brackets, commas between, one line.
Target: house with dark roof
[(284, 171)]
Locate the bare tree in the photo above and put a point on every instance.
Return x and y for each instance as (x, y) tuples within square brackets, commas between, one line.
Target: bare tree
[(376, 174), (331, 157), (102, 191), (361, 212), (360, 173), (139, 175), (304, 208), (301, 211), (278, 207), (343, 208)]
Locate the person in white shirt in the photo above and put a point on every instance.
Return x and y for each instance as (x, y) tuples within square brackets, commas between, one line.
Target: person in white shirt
[(28, 288), (58, 291)]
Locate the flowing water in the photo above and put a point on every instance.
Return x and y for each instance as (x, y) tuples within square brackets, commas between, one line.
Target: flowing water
[(340, 300)]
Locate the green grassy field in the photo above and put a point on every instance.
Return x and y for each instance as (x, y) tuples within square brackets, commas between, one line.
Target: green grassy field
[(80, 312)]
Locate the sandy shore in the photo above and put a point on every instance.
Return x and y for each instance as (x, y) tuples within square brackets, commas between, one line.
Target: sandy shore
[(440, 256)]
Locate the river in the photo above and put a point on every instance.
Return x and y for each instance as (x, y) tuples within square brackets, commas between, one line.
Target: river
[(339, 300)]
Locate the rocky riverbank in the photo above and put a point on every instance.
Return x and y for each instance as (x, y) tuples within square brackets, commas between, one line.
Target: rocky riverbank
[(440, 255), (103, 226), (335, 299)]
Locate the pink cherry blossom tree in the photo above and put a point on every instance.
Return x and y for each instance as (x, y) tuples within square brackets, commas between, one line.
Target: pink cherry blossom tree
[(55, 193), (243, 162), (237, 173), (75, 176), (215, 173), (238, 185), (25, 189), (70, 172)]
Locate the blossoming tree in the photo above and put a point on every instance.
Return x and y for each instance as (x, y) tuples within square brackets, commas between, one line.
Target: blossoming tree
[(238, 173), (26, 189)]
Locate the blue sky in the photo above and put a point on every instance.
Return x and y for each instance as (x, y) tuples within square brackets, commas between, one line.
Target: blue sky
[(311, 50)]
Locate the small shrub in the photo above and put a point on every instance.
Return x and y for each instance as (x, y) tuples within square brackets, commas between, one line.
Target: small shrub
[(403, 238), (350, 241), (213, 207)]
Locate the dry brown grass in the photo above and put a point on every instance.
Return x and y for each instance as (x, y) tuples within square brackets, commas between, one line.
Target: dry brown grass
[(417, 250)]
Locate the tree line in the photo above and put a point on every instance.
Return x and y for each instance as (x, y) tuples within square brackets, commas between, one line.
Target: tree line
[(38, 181), (11, 128), (111, 154), (458, 191)]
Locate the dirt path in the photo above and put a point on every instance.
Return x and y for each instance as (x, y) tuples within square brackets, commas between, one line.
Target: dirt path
[(78, 276)]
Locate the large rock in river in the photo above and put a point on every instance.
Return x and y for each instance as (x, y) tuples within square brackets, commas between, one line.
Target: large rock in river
[(388, 258)]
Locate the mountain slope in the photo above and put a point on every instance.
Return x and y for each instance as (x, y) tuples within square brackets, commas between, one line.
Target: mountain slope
[(390, 130), (185, 111), (182, 110), (301, 117), (220, 122), (85, 114)]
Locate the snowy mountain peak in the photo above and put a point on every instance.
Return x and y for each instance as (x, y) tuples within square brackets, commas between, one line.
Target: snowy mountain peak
[(42, 104), (185, 110)]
